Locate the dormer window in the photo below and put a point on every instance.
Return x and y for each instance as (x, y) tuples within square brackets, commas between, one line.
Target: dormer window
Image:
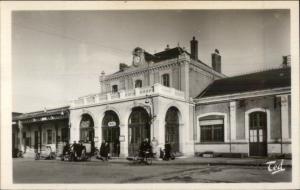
[(114, 88), (138, 84), (166, 80)]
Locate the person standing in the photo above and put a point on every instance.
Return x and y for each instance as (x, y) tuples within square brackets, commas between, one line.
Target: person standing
[(154, 144), (107, 150), (79, 150), (168, 150), (74, 148), (145, 147), (102, 151)]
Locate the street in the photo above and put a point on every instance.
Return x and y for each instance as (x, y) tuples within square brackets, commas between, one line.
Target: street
[(54, 171)]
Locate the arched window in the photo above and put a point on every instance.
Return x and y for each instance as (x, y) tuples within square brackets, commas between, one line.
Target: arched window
[(212, 128), (172, 128), (166, 80), (114, 88), (138, 84), (138, 129), (111, 132), (86, 128)]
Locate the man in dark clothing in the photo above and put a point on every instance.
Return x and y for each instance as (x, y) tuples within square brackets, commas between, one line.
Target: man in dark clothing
[(67, 148), (81, 150), (74, 148), (104, 150), (107, 150), (167, 151), (145, 146), (117, 147)]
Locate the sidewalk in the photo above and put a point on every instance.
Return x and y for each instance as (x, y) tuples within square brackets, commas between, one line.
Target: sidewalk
[(212, 161)]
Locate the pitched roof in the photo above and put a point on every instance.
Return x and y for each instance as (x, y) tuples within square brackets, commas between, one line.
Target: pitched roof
[(167, 54), (44, 113), (263, 80)]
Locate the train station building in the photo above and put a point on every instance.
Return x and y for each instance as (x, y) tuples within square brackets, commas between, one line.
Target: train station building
[(172, 96)]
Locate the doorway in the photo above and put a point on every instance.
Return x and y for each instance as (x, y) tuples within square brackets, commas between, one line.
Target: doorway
[(138, 129), (258, 134)]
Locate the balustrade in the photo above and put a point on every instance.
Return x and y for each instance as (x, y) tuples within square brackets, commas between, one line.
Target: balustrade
[(125, 94)]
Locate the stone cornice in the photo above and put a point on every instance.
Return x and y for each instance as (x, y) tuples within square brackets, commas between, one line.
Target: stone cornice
[(137, 71), (182, 59), (236, 96), (116, 101)]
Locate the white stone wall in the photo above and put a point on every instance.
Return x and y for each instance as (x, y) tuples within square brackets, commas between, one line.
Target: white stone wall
[(236, 126), (123, 109)]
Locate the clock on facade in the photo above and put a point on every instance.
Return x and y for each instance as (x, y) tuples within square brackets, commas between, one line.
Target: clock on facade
[(136, 60)]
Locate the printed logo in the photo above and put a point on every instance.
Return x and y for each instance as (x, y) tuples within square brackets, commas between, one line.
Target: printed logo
[(275, 166)]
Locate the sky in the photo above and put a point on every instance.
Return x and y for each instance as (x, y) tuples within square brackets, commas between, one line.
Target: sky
[(58, 56)]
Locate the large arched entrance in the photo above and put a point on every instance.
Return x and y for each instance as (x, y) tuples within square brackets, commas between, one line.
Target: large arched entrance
[(138, 129), (87, 132), (258, 133), (111, 132), (172, 128)]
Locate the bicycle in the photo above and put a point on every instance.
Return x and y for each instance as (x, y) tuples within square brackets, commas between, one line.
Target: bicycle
[(146, 158)]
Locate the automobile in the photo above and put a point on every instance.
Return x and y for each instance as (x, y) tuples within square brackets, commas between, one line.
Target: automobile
[(47, 152)]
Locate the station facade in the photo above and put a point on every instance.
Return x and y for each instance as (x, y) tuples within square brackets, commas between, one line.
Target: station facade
[(173, 97)]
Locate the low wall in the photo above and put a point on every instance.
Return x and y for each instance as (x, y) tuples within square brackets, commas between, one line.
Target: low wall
[(273, 148)]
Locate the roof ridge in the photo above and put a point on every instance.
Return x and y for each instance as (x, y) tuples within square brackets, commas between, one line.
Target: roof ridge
[(256, 71), (49, 109)]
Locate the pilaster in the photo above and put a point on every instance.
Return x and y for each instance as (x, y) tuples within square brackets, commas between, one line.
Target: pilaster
[(124, 144), (285, 118), (232, 116)]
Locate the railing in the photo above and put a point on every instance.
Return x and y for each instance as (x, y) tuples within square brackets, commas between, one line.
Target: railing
[(115, 95), (146, 90), (129, 93), (125, 94)]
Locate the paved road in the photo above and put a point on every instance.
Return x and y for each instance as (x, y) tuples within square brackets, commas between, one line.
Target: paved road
[(52, 171)]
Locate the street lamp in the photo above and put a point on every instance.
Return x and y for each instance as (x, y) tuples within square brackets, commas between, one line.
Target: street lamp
[(149, 104)]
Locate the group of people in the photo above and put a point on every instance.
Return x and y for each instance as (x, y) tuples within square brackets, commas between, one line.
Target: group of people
[(77, 150), (152, 148)]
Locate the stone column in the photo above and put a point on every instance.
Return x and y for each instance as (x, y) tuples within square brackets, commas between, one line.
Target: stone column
[(285, 118), (159, 122), (97, 137), (74, 129), (232, 120), (124, 144), (20, 136)]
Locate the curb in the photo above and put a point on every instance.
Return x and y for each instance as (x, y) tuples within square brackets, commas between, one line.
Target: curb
[(202, 163)]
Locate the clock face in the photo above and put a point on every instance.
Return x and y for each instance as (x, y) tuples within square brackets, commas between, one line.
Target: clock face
[(136, 60)]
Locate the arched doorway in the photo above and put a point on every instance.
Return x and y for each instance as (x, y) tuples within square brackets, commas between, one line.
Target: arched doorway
[(138, 129), (87, 132), (111, 132), (172, 128), (258, 133)]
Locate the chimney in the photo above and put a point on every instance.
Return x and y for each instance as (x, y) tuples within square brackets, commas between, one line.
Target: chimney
[(285, 61), (122, 66), (194, 48), (167, 48), (216, 61)]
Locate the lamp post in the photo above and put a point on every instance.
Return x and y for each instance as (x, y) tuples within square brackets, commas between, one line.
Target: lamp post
[(149, 103)]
